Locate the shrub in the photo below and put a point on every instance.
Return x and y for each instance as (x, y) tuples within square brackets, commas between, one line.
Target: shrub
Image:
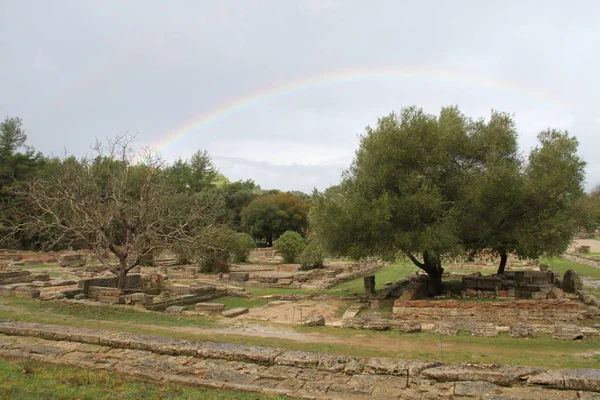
[(212, 250), (289, 246), (244, 244), (312, 256)]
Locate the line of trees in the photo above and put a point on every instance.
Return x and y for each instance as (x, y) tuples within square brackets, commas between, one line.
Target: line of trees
[(427, 187), (134, 205)]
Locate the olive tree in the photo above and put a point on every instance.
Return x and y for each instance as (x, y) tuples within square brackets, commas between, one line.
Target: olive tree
[(434, 187)]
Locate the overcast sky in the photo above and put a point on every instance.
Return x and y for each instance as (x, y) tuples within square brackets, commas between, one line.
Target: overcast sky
[(279, 90)]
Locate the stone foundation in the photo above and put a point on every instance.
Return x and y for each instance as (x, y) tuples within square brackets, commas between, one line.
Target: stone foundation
[(548, 312), (298, 374)]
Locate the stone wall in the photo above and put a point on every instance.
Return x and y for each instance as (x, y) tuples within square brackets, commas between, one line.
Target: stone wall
[(298, 374), (548, 312), (132, 281), (582, 260)]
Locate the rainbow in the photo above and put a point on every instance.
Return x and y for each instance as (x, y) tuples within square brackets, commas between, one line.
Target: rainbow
[(202, 121)]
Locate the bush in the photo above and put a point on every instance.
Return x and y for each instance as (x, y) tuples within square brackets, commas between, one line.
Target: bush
[(244, 244), (289, 246), (312, 256), (212, 250)]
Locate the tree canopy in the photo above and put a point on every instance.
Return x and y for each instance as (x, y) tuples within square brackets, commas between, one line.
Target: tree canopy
[(433, 187), (268, 216)]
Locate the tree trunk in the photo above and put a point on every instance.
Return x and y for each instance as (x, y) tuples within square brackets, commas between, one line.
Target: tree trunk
[(269, 240), (503, 259), (432, 265), (122, 274)]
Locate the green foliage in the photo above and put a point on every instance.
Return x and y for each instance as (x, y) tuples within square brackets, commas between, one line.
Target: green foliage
[(268, 216), (312, 256), (437, 186), (193, 175), (289, 246), (28, 379), (213, 248), (243, 245), (12, 135)]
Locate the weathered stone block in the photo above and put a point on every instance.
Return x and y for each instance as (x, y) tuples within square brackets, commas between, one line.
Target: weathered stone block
[(214, 308), (485, 330), (586, 379), (28, 292), (572, 282), (175, 309), (71, 260), (567, 332), (315, 320), (445, 328), (474, 388), (239, 276), (234, 312), (521, 331), (504, 375)]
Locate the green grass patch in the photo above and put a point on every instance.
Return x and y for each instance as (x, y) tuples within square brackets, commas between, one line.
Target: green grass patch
[(27, 379), (44, 266), (563, 265), (541, 351), (51, 311), (394, 272)]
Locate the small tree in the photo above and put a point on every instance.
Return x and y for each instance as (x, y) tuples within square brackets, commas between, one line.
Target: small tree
[(289, 245), (213, 249), (243, 245), (312, 256)]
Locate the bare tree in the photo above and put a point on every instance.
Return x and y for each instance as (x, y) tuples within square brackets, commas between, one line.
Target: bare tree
[(116, 202)]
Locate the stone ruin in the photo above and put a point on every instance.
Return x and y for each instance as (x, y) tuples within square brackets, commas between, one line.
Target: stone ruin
[(298, 374)]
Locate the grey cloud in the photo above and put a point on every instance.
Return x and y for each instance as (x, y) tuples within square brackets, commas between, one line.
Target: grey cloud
[(103, 68)]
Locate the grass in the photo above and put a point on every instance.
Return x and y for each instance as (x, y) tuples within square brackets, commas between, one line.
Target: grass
[(27, 379), (541, 351), (44, 266), (394, 272), (562, 265), (51, 311)]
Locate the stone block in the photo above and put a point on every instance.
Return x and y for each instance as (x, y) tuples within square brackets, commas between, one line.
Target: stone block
[(315, 320), (484, 330), (503, 375), (7, 290), (267, 279), (567, 332), (572, 282), (521, 331), (285, 281), (239, 276), (71, 260), (474, 388), (24, 291), (234, 312), (445, 328), (175, 309), (212, 308), (80, 296)]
